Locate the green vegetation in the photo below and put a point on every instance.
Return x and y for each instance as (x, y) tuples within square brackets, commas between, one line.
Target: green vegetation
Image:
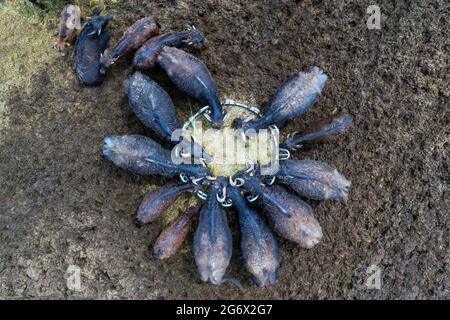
[(26, 47)]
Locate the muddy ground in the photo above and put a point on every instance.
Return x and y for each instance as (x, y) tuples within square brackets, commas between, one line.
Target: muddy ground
[(62, 203)]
